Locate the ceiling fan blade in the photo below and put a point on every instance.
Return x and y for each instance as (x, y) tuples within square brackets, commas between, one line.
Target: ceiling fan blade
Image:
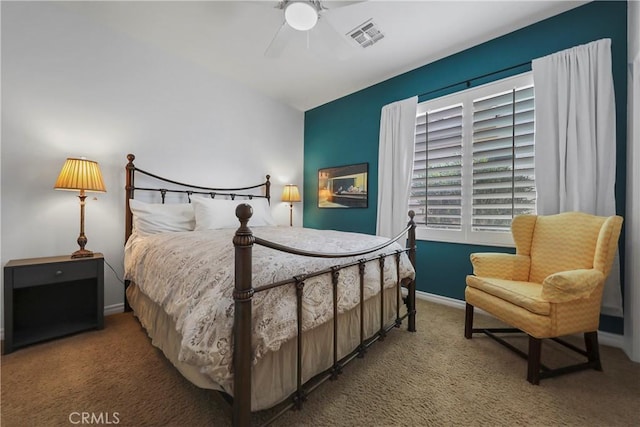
[(331, 4), (279, 41), (331, 40)]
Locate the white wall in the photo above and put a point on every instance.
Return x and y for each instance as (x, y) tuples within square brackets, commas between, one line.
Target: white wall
[(73, 87), (632, 219)]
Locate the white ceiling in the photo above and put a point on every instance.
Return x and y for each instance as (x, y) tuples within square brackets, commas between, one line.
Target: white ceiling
[(229, 38)]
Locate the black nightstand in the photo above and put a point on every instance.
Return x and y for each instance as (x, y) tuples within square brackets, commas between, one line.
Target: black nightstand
[(47, 298)]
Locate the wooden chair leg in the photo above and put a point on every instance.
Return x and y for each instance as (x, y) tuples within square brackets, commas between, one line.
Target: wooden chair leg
[(593, 349), (468, 321), (533, 365)]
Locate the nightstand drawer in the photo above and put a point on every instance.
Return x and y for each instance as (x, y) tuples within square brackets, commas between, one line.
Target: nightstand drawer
[(35, 275)]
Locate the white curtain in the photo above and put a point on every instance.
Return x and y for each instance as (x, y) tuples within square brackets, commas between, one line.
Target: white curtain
[(395, 165), (575, 147)]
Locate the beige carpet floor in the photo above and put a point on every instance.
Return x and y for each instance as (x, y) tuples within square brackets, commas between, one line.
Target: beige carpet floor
[(433, 377)]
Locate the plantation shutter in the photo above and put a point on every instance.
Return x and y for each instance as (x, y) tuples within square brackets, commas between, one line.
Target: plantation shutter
[(503, 163), (436, 187)]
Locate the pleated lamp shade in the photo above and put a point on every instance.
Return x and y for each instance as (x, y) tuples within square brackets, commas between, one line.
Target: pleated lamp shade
[(290, 193), (80, 174)]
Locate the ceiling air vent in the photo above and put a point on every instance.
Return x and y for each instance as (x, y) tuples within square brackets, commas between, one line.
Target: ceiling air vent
[(366, 34)]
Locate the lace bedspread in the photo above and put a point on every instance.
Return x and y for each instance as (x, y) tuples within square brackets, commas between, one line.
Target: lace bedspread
[(191, 276)]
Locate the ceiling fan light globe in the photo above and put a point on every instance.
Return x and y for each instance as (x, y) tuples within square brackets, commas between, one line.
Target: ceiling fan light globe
[(301, 16)]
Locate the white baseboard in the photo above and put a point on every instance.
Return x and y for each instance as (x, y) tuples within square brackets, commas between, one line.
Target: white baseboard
[(114, 309), (611, 339), (604, 338)]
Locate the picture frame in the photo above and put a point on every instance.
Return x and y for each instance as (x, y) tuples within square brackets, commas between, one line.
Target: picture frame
[(343, 187)]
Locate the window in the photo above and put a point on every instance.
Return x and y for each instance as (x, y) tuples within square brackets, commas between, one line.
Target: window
[(474, 166)]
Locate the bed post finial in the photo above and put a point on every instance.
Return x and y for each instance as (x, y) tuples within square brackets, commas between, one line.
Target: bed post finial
[(242, 295), (244, 212)]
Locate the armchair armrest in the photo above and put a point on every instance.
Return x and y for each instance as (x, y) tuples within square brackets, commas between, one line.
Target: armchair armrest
[(501, 265), (571, 285)]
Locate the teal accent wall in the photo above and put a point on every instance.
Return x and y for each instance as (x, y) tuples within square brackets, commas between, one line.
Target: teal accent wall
[(346, 130)]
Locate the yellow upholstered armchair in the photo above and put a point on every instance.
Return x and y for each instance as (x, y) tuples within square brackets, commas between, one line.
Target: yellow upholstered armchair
[(551, 287)]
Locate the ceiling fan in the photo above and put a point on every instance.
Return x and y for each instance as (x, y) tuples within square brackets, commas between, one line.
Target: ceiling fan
[(304, 18)]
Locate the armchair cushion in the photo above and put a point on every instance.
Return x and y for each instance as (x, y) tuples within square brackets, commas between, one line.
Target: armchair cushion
[(571, 285), (522, 294), (500, 265)]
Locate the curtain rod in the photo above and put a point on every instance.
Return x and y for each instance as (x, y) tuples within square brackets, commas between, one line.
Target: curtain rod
[(467, 82)]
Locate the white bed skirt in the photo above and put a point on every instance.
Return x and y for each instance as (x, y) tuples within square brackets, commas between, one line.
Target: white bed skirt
[(274, 376)]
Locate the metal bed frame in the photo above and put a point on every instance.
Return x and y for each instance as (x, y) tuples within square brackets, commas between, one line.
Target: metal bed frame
[(243, 242)]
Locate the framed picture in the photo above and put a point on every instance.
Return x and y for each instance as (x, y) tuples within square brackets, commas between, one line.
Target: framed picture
[(343, 186)]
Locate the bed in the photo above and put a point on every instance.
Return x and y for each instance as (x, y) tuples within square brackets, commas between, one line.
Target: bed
[(251, 309)]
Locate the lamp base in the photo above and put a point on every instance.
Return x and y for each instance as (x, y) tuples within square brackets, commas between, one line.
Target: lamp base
[(82, 253), (290, 214)]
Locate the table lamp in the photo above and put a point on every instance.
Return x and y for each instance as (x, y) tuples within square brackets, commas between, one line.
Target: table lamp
[(83, 175), (290, 194)]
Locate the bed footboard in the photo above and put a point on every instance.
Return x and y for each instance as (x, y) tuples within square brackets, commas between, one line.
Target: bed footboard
[(243, 293)]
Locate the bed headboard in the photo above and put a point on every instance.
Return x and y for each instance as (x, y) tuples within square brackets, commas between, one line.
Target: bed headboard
[(182, 188)]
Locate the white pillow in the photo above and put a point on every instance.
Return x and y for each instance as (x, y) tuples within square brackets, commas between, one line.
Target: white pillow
[(261, 213), (212, 214), (153, 218)]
